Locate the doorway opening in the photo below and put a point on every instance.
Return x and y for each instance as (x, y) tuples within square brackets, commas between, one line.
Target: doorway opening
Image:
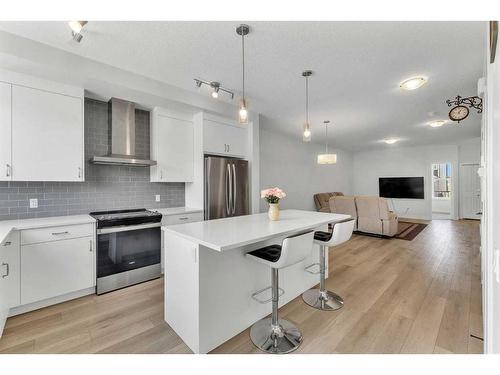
[(442, 191), (470, 192)]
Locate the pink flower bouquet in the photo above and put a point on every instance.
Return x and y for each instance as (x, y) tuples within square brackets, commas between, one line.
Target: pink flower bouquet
[(272, 195)]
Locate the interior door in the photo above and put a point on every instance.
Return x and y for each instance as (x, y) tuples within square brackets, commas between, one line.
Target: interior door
[(218, 188), (240, 187), (470, 191)]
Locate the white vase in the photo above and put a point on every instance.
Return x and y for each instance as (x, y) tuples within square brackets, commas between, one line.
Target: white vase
[(274, 211)]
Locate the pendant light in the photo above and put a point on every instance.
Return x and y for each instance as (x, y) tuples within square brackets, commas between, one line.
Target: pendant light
[(306, 134), (327, 158), (243, 30)]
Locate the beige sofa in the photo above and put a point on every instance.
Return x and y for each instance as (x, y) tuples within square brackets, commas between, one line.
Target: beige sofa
[(372, 214), (321, 200), (344, 205)]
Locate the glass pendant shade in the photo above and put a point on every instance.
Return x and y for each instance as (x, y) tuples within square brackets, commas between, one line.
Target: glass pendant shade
[(243, 112), (306, 134)]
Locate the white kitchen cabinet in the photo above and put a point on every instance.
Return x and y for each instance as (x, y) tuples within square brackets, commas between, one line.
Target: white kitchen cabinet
[(47, 136), (9, 276), (51, 269), (172, 146), (5, 131), (224, 139), (191, 217)]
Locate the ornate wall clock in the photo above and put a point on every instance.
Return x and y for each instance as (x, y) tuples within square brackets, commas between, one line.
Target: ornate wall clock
[(461, 106), (458, 113)]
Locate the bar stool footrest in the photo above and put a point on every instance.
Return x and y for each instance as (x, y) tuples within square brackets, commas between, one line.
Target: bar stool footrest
[(308, 269), (254, 295)]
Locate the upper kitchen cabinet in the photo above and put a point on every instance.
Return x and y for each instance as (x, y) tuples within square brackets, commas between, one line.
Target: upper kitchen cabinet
[(224, 138), (172, 146), (5, 131), (45, 139)]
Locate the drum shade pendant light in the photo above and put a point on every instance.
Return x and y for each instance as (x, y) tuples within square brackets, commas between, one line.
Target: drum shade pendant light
[(243, 30), (327, 158), (306, 134)]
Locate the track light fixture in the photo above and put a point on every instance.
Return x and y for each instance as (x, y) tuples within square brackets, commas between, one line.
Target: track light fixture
[(76, 30), (215, 86), (215, 92)]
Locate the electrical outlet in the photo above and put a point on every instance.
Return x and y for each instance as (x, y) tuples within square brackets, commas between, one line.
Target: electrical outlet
[(157, 197), (34, 203)]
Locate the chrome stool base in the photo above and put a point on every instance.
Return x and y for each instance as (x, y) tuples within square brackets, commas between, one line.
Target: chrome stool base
[(285, 338), (322, 300)]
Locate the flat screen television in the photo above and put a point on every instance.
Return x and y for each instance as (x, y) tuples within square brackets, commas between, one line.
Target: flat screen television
[(401, 187)]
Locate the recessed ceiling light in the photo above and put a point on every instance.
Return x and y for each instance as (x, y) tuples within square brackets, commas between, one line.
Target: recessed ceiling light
[(413, 83), (436, 123), (391, 141)]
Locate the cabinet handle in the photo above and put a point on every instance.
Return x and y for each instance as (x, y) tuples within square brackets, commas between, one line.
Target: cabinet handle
[(79, 172), (228, 148), (7, 170), (90, 245), (183, 218), (59, 233), (225, 147), (161, 174), (7, 243), (7, 268)]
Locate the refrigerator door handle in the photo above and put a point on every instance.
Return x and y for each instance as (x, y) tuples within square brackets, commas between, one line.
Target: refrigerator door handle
[(234, 188), (207, 191), (229, 195)]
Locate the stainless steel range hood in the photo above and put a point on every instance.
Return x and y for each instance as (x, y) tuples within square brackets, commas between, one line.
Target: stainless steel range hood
[(121, 119)]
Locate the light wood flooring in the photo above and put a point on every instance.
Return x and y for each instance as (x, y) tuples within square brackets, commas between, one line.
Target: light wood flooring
[(420, 296)]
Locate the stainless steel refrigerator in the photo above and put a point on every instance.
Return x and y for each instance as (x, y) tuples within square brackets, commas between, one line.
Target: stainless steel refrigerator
[(226, 187)]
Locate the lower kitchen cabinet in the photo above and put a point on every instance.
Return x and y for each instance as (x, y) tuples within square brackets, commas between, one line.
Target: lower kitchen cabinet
[(52, 269), (11, 270), (9, 276)]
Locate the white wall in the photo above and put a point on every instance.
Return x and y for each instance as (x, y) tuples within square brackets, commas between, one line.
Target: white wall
[(405, 162), (469, 151), (290, 164)]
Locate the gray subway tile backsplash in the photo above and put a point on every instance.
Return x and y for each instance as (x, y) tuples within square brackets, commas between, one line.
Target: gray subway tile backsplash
[(105, 187)]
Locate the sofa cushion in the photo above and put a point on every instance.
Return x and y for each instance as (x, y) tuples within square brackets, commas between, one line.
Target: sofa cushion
[(321, 200), (368, 207)]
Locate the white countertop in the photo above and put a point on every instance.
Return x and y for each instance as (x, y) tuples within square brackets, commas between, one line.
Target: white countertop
[(229, 233), (176, 210), (6, 226)]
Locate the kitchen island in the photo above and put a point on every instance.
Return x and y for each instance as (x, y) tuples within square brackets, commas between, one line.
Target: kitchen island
[(209, 281)]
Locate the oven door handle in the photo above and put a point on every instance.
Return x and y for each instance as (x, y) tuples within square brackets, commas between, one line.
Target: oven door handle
[(126, 228)]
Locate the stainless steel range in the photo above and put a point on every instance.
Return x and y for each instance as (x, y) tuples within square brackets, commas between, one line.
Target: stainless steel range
[(128, 248)]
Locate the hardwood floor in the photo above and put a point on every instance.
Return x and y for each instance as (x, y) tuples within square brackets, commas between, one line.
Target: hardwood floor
[(420, 296)]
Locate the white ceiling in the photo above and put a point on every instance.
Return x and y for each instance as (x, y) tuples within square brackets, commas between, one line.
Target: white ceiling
[(357, 68)]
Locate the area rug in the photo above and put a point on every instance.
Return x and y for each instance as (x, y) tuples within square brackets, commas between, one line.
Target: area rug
[(408, 231)]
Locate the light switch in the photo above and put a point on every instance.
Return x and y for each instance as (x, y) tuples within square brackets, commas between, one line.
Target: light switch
[(157, 197), (34, 203)]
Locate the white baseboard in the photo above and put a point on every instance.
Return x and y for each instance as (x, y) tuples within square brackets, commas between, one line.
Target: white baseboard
[(50, 301)]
